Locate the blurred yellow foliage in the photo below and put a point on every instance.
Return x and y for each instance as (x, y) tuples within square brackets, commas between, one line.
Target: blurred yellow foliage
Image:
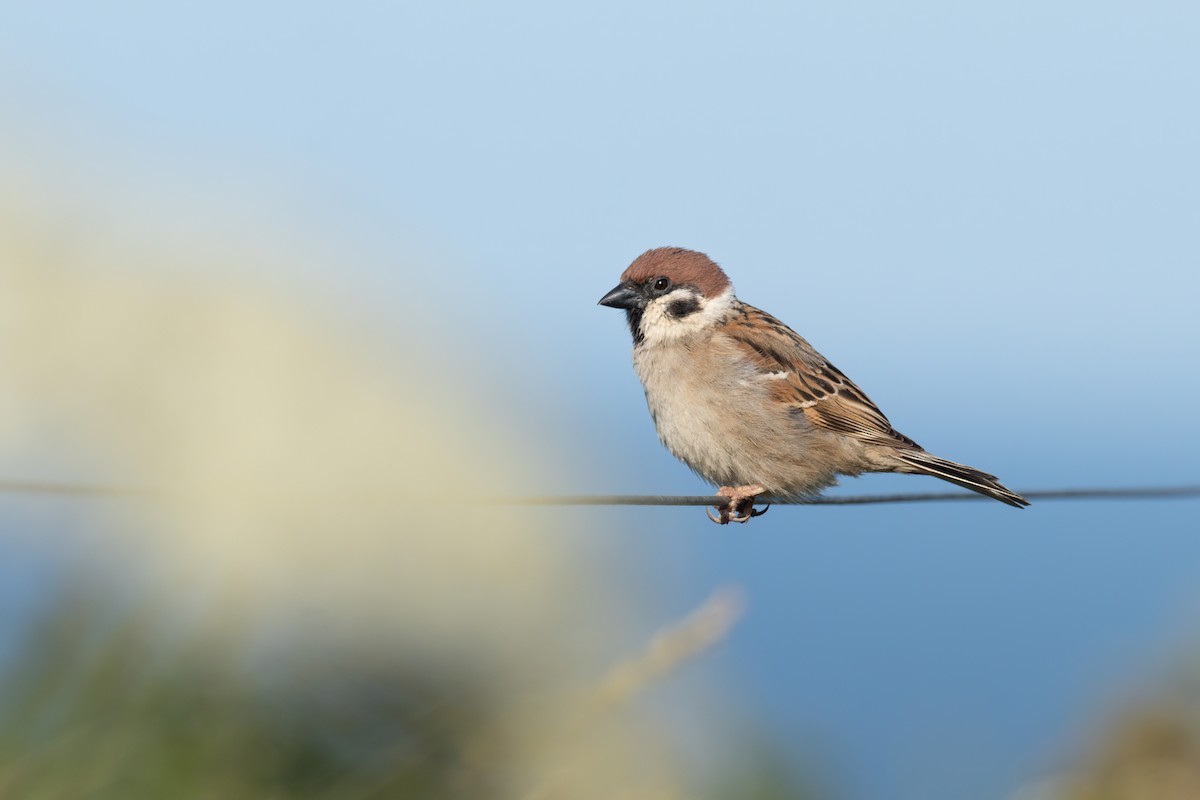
[(303, 476)]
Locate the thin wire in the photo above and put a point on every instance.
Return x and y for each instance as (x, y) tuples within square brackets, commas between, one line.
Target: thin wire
[(1148, 493), (1116, 493)]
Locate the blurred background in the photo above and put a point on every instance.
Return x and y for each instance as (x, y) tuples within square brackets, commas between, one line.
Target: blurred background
[(312, 270)]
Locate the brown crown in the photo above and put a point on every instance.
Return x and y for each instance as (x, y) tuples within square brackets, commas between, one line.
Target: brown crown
[(681, 266)]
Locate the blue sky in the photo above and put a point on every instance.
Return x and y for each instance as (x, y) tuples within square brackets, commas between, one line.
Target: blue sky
[(984, 213)]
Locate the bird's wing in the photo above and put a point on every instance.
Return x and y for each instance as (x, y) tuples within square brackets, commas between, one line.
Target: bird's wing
[(803, 380)]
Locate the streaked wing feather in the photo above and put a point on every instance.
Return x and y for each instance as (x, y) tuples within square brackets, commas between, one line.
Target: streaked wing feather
[(803, 379)]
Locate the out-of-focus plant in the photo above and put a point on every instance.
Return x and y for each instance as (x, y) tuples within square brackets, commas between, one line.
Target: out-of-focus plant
[(103, 705), (1148, 751), (113, 701), (308, 606)]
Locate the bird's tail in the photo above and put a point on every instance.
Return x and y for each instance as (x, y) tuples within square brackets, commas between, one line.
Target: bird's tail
[(919, 462)]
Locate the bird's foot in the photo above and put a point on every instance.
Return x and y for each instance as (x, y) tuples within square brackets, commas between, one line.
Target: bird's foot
[(740, 507)]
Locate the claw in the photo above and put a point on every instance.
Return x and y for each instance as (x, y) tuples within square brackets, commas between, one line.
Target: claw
[(736, 517), (741, 504), (750, 513)]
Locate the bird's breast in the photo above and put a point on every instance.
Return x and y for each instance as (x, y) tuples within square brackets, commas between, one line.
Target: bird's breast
[(710, 408)]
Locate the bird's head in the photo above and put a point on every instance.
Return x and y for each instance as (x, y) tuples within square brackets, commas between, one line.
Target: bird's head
[(669, 293)]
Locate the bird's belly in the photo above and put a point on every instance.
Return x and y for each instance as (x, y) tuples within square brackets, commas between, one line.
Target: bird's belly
[(719, 421)]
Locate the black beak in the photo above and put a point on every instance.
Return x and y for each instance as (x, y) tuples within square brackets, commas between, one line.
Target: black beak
[(624, 296)]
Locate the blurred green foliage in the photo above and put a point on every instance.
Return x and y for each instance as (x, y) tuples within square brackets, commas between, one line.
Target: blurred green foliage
[(103, 703), (118, 699)]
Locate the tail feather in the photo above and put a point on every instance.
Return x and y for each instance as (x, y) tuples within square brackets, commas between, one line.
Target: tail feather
[(921, 463)]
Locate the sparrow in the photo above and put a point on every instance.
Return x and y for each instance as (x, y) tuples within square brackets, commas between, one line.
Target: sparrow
[(746, 402)]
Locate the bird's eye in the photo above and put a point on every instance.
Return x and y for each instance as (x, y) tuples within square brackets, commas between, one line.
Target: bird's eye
[(662, 284)]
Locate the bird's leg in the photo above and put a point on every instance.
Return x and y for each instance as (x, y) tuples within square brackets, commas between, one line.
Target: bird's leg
[(741, 504)]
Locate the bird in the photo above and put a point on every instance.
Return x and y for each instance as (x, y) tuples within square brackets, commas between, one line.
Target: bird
[(747, 403)]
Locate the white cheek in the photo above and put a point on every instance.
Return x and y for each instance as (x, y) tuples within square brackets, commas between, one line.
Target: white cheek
[(656, 322), (659, 327)]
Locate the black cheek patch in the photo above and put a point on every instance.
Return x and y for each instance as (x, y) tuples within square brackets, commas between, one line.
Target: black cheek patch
[(683, 307)]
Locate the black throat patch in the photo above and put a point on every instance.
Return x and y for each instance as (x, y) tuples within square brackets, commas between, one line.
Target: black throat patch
[(633, 316)]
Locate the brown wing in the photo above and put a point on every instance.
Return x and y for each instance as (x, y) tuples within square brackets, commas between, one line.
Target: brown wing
[(802, 379)]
